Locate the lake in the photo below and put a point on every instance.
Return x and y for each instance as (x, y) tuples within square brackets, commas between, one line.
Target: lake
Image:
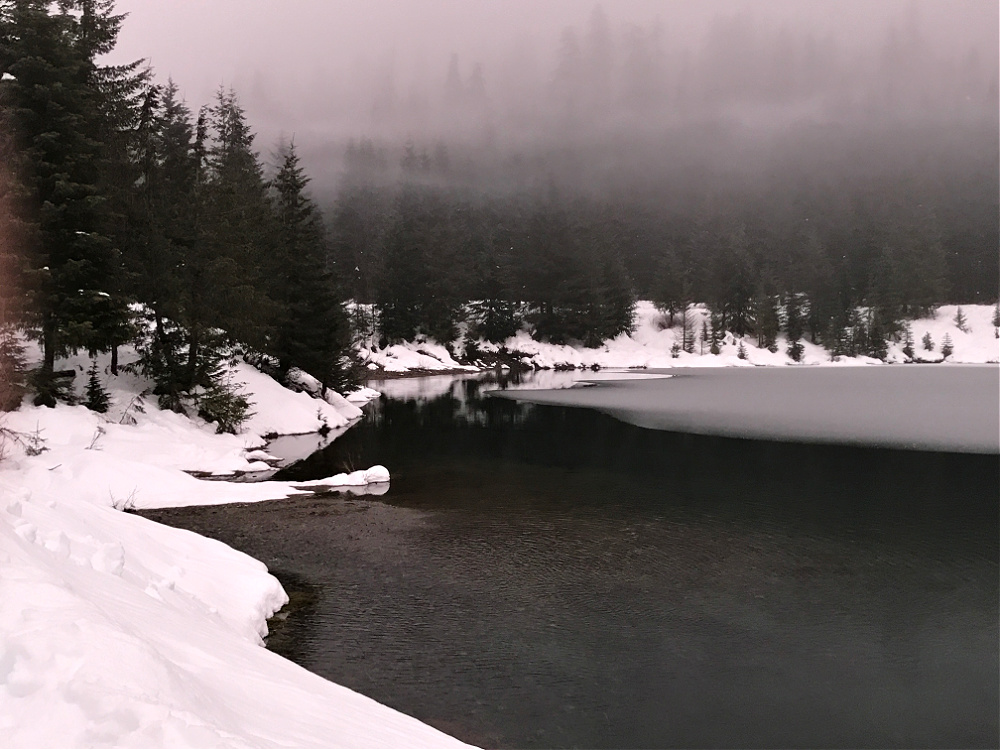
[(545, 576)]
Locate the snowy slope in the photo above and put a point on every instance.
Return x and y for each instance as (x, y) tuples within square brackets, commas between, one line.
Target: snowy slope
[(116, 631), (649, 345)]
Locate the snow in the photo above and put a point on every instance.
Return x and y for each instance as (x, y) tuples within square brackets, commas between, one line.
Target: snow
[(119, 632), (977, 344), (116, 631), (277, 411), (650, 342), (408, 356), (919, 407), (362, 395)]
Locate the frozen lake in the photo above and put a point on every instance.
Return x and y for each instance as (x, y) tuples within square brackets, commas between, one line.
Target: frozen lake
[(920, 407)]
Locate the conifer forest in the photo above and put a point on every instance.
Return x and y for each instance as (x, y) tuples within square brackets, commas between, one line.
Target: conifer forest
[(131, 216)]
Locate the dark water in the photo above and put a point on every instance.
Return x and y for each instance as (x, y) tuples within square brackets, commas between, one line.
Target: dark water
[(540, 576)]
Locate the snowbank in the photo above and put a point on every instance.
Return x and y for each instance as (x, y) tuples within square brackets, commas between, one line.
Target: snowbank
[(650, 343), (412, 356), (116, 631)]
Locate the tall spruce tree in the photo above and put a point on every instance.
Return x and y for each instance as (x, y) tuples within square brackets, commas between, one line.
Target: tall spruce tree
[(236, 229), (12, 265), (312, 330), (793, 326), (57, 105)]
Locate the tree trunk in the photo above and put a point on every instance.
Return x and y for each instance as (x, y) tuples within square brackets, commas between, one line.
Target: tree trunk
[(49, 347), (192, 363)]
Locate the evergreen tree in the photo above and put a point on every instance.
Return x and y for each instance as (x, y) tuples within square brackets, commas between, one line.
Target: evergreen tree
[(312, 331), (58, 111), (668, 286), (421, 290), (857, 329), (687, 330), (876, 342), (767, 321), (96, 398), (908, 344), (236, 229), (12, 298), (167, 256), (947, 348), (996, 321), (793, 326), (927, 342), (715, 333), (12, 369), (960, 321), (120, 91), (495, 310)]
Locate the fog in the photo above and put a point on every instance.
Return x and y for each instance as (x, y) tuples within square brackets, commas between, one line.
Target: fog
[(512, 93)]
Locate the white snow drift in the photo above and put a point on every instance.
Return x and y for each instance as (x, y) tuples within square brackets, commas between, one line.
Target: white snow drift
[(651, 340), (119, 632)]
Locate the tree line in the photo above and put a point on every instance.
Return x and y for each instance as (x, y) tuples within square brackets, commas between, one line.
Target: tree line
[(128, 218), (843, 259)]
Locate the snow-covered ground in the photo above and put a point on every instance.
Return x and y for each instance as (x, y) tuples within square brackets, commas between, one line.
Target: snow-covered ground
[(409, 356), (116, 631), (650, 343)]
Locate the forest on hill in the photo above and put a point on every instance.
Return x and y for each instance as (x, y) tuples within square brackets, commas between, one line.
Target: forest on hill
[(127, 216)]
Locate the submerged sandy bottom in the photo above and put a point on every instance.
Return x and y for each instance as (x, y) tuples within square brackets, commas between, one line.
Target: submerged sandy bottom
[(921, 407)]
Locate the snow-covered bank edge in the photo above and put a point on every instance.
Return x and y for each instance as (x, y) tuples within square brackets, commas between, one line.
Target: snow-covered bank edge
[(651, 342), (116, 631)]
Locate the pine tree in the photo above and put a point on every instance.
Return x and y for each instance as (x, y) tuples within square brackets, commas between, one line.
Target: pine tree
[(57, 103), (908, 343), (960, 321), (877, 344), (236, 225), (12, 297), (687, 330), (996, 321), (715, 333), (312, 331), (96, 398), (12, 369), (668, 285), (927, 342), (166, 253), (767, 322), (793, 326), (947, 348), (741, 352)]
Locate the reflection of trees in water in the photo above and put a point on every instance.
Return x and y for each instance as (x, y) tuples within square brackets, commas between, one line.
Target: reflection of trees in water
[(839, 489), (460, 400)]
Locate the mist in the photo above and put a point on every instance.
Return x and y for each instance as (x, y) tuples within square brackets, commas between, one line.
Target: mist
[(495, 78)]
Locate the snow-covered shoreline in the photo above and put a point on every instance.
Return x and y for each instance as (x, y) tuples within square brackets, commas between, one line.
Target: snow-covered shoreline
[(650, 343), (116, 631)]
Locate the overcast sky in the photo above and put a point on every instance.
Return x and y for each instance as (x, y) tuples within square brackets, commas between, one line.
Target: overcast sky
[(202, 43), (312, 68)]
